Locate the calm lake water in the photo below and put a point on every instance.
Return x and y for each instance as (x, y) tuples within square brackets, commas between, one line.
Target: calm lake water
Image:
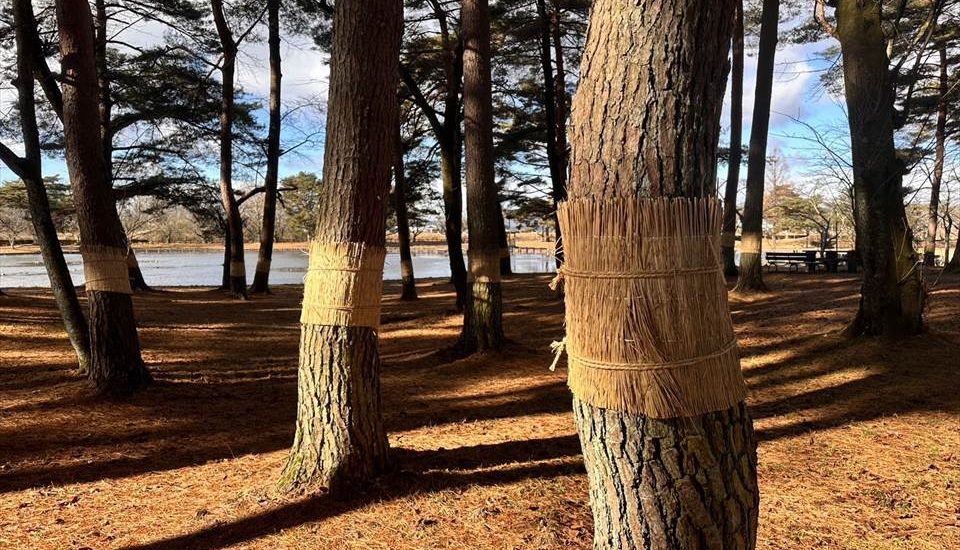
[(203, 267)]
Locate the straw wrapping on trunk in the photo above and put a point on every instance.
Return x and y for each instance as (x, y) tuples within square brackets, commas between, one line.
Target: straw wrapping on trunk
[(648, 325), (105, 269), (484, 265), (343, 285), (750, 243)]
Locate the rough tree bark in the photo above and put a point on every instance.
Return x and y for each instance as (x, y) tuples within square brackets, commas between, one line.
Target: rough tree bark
[(892, 293), (340, 440), (105, 108), (238, 275), (933, 220), (116, 367), (728, 236), (646, 123), (261, 276), (751, 240), (408, 283), (483, 315), (29, 169)]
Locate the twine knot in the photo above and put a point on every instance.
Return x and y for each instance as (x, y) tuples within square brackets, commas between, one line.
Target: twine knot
[(557, 348), (555, 282)]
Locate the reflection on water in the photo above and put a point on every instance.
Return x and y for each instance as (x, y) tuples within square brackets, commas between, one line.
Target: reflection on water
[(203, 267)]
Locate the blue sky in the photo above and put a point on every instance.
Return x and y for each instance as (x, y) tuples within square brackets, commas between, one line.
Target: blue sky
[(798, 94)]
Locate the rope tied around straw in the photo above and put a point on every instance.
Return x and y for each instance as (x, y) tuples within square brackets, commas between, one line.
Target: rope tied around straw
[(648, 326), (343, 285)]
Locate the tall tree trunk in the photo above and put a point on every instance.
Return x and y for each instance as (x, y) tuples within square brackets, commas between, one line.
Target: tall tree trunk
[(728, 236), (340, 440), (482, 321), (116, 367), (29, 169), (558, 169), (751, 240), (933, 220), (408, 283), (560, 96), (451, 149), (105, 108), (238, 274), (646, 123), (506, 267), (892, 294), (262, 275), (453, 213)]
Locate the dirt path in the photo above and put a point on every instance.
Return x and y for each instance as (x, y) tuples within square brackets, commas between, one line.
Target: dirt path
[(860, 442)]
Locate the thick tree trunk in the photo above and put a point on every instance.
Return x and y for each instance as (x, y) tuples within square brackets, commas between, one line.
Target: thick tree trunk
[(408, 283), (892, 294), (646, 123), (61, 283), (672, 483), (751, 242), (728, 236), (482, 322), (238, 275), (340, 441), (933, 220), (262, 275), (116, 367)]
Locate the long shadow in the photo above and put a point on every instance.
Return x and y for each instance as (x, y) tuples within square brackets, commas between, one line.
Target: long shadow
[(233, 426), (416, 477)]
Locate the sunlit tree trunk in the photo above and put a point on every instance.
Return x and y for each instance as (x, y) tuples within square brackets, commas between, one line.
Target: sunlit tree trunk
[(238, 275), (262, 275), (751, 240), (892, 295), (340, 441), (646, 121), (29, 169), (728, 236), (482, 324), (116, 367), (933, 220)]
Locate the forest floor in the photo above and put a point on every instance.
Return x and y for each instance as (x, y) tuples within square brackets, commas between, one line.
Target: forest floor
[(859, 441)]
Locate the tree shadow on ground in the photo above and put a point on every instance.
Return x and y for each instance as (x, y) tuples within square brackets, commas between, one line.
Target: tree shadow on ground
[(224, 391), (417, 475)]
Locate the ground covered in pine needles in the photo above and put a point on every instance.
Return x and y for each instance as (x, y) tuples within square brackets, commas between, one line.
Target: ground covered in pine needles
[(859, 441)]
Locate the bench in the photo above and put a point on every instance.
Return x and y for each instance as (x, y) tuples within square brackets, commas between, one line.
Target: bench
[(794, 260)]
